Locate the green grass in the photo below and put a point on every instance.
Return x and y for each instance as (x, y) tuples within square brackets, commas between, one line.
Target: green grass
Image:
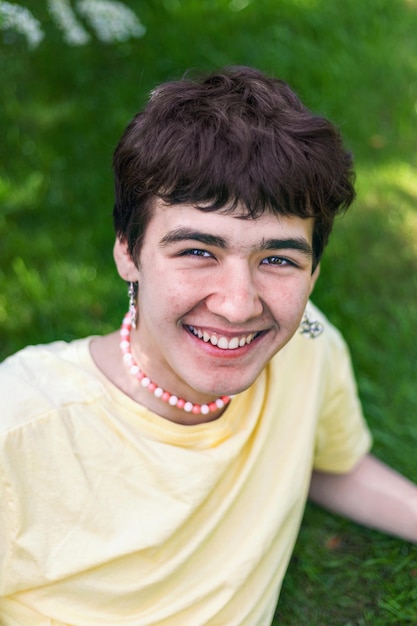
[(63, 110)]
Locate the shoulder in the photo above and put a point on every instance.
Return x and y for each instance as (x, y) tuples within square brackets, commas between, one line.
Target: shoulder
[(312, 368), (318, 366), (39, 379)]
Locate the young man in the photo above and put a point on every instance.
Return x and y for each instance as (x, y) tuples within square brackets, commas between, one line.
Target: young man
[(159, 476)]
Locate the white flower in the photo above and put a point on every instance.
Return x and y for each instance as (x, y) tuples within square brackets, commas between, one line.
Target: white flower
[(112, 21), (63, 15), (20, 19)]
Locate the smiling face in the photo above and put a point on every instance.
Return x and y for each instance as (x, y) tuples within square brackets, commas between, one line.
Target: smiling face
[(219, 295)]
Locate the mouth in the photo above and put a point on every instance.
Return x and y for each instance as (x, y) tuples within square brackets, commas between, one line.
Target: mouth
[(222, 342)]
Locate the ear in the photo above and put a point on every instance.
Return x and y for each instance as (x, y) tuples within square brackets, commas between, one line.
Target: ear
[(314, 277), (124, 262)]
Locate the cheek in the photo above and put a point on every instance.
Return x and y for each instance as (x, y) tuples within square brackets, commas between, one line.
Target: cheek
[(169, 301), (288, 302), (187, 285), (290, 294)]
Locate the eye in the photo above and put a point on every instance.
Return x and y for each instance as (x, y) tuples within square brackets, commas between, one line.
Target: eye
[(196, 252), (277, 260)]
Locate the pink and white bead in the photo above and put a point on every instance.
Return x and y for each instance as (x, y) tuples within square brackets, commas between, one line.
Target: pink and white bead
[(152, 387)]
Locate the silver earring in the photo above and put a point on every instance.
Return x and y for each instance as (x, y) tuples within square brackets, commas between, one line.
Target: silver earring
[(310, 328), (132, 303)]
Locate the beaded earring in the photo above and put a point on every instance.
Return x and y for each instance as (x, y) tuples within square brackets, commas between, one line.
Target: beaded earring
[(310, 328), (131, 292)]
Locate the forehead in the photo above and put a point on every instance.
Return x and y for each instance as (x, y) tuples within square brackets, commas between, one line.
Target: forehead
[(233, 227)]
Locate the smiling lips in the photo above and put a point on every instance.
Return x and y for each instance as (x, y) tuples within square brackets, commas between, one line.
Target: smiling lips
[(222, 342)]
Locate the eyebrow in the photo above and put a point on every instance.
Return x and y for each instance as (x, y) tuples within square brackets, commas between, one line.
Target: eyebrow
[(187, 234), (296, 243)]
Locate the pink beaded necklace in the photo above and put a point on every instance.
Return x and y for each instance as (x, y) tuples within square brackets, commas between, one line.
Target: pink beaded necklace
[(158, 392)]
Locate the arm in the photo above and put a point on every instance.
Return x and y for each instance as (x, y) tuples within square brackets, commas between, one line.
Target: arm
[(371, 494)]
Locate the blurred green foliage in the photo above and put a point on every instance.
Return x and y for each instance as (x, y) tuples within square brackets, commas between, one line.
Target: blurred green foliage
[(63, 110)]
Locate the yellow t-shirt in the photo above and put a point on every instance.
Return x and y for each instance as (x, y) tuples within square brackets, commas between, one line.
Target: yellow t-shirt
[(113, 515)]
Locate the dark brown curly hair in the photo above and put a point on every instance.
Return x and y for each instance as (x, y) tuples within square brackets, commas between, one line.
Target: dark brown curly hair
[(234, 137)]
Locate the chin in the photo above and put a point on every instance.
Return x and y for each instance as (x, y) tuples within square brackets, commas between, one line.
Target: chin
[(231, 388)]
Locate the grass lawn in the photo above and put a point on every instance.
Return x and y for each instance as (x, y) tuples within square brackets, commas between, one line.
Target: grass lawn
[(63, 110)]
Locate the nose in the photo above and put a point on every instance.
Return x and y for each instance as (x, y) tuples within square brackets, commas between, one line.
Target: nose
[(234, 295)]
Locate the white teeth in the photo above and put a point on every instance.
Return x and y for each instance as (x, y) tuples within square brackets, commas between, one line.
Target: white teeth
[(222, 342)]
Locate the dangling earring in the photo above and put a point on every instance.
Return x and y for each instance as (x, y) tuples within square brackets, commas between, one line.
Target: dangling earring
[(310, 328), (132, 303)]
